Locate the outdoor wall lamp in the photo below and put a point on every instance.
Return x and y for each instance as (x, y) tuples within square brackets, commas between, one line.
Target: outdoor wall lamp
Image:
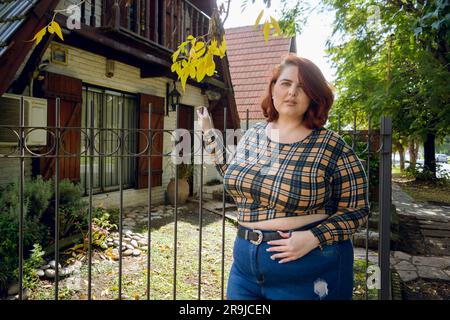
[(173, 98)]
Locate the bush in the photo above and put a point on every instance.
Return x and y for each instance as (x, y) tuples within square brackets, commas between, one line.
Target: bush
[(72, 210), (30, 278), (39, 220), (34, 232)]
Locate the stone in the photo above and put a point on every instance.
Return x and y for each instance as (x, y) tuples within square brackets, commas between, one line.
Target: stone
[(127, 232), (14, 289), (142, 243), (44, 267), (127, 252), (136, 253), (53, 264), (437, 262), (401, 255), (25, 294), (40, 273), (407, 275), (432, 273), (134, 243), (405, 266), (126, 239), (50, 273)]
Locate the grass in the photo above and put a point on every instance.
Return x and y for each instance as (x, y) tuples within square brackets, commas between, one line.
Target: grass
[(422, 191), (359, 288), (105, 273)]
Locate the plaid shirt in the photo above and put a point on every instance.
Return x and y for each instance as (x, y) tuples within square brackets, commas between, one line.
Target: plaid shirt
[(320, 174)]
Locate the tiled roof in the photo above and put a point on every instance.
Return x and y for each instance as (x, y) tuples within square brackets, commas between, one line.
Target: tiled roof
[(251, 61), (12, 14)]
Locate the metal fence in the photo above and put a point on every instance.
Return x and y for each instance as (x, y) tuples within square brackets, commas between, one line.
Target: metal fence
[(90, 133)]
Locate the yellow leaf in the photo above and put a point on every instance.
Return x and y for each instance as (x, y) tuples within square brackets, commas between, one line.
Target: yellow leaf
[(266, 31), (223, 48), (210, 70), (190, 37), (57, 29), (38, 37), (183, 82), (192, 71), (175, 55), (276, 26), (201, 70), (259, 18), (50, 29)]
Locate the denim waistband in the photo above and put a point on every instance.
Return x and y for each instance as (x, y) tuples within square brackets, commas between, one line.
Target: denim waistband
[(302, 228)]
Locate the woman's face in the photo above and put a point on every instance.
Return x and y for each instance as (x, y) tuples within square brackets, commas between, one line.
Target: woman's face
[(288, 96)]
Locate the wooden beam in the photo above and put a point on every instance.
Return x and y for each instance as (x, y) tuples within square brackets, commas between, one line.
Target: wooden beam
[(147, 19), (21, 45), (172, 23), (92, 19), (163, 31)]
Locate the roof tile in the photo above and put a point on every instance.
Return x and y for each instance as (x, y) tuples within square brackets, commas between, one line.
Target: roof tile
[(251, 60)]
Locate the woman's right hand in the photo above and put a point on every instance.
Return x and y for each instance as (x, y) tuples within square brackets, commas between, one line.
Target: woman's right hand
[(204, 118)]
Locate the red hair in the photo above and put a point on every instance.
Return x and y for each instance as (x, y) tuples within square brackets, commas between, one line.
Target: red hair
[(315, 86)]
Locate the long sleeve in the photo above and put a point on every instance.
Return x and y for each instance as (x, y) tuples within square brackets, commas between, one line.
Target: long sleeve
[(216, 151), (350, 193)]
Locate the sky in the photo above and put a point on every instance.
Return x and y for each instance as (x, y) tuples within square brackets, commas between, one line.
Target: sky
[(311, 41)]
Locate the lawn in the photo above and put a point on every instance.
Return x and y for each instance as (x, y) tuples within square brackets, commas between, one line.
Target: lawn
[(105, 272), (423, 191)]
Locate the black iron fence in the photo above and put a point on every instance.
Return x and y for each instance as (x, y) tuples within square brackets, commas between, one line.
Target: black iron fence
[(121, 153)]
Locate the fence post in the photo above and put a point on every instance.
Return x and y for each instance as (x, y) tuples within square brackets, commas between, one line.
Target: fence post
[(385, 207)]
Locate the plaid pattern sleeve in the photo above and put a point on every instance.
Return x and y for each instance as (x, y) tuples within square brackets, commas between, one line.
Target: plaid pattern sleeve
[(350, 194), (215, 151)]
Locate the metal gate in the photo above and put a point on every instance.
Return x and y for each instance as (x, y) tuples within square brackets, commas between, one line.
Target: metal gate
[(121, 153)]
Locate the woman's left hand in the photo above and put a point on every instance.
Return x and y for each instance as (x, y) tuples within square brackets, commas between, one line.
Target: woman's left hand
[(291, 248)]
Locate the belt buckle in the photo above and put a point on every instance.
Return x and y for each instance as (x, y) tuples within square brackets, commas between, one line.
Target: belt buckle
[(260, 238)]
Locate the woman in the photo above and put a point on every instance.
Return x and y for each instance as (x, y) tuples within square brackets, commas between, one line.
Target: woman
[(296, 218)]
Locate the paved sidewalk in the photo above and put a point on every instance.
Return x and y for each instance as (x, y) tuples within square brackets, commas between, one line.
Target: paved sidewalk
[(406, 205), (423, 228)]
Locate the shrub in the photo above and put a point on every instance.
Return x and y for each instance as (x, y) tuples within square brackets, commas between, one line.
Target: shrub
[(30, 278)]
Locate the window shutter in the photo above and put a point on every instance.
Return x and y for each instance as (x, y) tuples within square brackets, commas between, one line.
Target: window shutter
[(69, 90), (157, 140)]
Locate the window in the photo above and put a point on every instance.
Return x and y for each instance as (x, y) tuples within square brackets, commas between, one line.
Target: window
[(110, 109)]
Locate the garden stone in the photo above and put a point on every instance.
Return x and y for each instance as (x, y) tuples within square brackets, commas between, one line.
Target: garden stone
[(136, 253), (137, 238), (407, 275), (126, 239), (14, 289), (436, 262), (40, 273), (142, 243), (127, 232), (44, 267), (25, 294), (50, 273), (432, 273), (405, 266), (116, 242), (127, 253), (53, 264), (402, 256), (134, 243), (129, 247)]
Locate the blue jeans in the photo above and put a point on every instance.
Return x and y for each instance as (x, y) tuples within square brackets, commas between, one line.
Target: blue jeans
[(320, 275)]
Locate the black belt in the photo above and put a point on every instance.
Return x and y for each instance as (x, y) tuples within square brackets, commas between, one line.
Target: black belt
[(258, 236)]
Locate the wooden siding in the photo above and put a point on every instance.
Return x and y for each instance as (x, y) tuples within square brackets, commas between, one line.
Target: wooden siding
[(90, 68)]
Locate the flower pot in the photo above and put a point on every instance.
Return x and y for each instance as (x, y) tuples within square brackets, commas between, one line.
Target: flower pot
[(183, 191)]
